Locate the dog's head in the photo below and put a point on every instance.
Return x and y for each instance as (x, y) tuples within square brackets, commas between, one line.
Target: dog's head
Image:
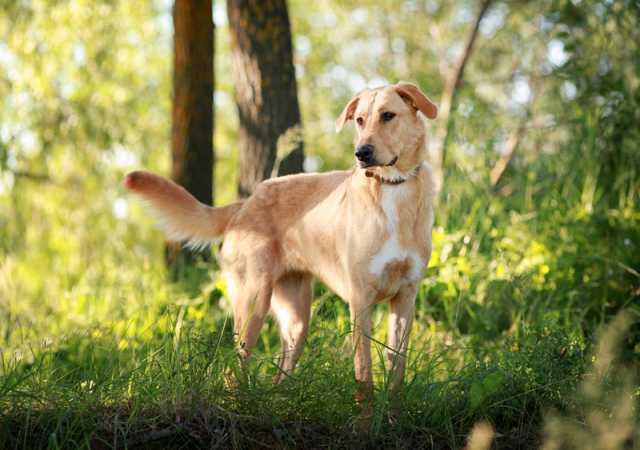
[(390, 135)]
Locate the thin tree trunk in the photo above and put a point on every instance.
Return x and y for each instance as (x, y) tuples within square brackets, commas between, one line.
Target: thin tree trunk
[(192, 119), (265, 90), (448, 99)]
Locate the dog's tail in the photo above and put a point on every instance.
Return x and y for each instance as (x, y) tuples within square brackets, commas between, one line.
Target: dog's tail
[(182, 216)]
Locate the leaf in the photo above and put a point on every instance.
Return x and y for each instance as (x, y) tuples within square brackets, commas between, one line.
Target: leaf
[(482, 390)]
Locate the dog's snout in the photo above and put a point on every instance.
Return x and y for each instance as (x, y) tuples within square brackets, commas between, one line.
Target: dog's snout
[(364, 153)]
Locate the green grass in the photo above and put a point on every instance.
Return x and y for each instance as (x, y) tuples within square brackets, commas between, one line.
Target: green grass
[(98, 349), (152, 374), (93, 389)]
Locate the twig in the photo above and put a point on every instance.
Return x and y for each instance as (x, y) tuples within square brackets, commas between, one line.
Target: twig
[(30, 175), (451, 88), (514, 139), (153, 436), (503, 162)]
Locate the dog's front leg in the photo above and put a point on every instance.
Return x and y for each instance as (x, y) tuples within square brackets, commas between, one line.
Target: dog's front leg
[(401, 312), (361, 323)]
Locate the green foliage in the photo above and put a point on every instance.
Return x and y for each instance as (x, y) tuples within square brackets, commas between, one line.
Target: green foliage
[(98, 349)]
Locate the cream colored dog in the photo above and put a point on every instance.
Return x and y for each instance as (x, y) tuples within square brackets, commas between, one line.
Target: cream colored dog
[(365, 233)]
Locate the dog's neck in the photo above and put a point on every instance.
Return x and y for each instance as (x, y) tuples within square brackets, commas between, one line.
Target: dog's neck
[(393, 178)]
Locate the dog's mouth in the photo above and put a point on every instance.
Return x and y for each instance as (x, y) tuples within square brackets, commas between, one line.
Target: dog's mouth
[(364, 165)]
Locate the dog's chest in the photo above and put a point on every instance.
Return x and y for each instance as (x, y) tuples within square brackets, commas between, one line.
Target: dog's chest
[(401, 255)]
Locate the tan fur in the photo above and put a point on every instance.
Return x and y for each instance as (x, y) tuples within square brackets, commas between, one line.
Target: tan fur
[(183, 217), (368, 241)]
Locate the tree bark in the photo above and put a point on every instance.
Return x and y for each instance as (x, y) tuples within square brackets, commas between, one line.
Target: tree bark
[(265, 90), (192, 117)]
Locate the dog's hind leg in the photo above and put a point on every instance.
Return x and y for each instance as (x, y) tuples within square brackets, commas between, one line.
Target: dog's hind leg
[(250, 307), (291, 304)]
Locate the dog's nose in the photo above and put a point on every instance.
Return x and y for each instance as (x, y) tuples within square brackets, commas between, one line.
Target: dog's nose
[(364, 153)]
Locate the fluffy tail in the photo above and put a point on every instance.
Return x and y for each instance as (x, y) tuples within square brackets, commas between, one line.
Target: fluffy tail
[(182, 216)]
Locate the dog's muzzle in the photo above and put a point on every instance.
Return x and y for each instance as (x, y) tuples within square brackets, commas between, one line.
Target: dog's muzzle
[(364, 154)]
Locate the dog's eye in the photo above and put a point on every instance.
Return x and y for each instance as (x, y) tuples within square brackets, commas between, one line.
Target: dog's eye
[(360, 121), (387, 116)]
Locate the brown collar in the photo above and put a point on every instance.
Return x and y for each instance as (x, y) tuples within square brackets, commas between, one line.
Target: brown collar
[(396, 181)]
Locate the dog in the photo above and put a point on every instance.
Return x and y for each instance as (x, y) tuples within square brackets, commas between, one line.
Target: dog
[(365, 233)]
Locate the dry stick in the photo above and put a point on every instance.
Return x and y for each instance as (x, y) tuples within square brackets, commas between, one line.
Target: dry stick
[(151, 436), (503, 162), (448, 96), (514, 139), (40, 177)]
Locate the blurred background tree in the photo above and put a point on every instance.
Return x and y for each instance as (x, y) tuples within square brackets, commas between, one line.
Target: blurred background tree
[(192, 162)]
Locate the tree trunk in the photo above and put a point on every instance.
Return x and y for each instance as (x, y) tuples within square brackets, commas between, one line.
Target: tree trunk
[(265, 90), (192, 119)]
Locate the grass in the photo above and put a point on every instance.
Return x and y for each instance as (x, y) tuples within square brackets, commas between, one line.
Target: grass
[(98, 349), (90, 391), (130, 382)]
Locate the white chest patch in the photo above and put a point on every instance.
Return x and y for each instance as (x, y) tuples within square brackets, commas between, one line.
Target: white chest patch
[(391, 250)]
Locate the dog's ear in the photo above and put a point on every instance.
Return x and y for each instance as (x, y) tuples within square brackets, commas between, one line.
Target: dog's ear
[(347, 112), (412, 94)]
